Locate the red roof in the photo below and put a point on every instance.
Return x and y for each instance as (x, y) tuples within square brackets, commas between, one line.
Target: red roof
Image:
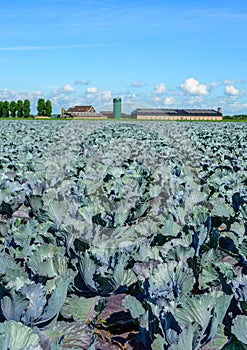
[(83, 109)]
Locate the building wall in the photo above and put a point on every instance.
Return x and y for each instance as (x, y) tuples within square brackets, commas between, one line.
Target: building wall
[(158, 117), (87, 115)]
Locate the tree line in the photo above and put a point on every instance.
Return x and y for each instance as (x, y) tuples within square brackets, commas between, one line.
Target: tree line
[(235, 116), (22, 109)]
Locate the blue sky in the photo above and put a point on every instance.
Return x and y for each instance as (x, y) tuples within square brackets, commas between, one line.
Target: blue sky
[(169, 54)]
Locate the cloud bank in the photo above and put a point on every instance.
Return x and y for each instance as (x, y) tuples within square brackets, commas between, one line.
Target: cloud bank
[(192, 86), (189, 94)]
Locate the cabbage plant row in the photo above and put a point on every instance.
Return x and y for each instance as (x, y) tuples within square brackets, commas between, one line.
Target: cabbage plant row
[(123, 235)]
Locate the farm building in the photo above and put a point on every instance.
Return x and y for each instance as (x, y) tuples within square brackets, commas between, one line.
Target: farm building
[(82, 112), (110, 114), (176, 114)]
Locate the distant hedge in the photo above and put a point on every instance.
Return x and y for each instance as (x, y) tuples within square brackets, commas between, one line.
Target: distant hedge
[(236, 116)]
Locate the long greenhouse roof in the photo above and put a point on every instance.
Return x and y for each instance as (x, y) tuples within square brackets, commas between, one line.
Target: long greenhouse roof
[(176, 112)]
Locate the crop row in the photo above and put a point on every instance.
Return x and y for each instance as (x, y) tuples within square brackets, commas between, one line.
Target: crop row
[(123, 235)]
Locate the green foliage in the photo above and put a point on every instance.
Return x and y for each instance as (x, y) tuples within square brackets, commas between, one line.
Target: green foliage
[(239, 328), (78, 308), (5, 109), (13, 109), (236, 116), (26, 108), (44, 108), (1, 109), (15, 336), (108, 229), (19, 105), (48, 108), (41, 107)]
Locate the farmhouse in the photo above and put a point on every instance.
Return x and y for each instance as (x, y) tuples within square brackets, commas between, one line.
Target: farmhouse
[(82, 112), (176, 114)]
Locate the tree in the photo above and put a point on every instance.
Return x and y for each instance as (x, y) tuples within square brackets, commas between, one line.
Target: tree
[(19, 105), (26, 108), (41, 107), (1, 109), (13, 109), (48, 108), (5, 109)]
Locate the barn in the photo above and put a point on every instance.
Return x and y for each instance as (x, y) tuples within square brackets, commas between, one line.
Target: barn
[(176, 114), (82, 112)]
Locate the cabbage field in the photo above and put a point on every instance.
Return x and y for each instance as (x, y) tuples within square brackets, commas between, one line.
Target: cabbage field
[(123, 235)]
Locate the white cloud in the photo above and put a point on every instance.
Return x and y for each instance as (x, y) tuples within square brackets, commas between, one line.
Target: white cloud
[(8, 95), (227, 82), (230, 90), (106, 95), (197, 102), (214, 84), (40, 48), (37, 93), (14, 95), (60, 97), (92, 90), (68, 88), (156, 99), (81, 82), (231, 82), (64, 89), (192, 87), (136, 84), (97, 97), (171, 92), (159, 89), (238, 106), (169, 101)]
